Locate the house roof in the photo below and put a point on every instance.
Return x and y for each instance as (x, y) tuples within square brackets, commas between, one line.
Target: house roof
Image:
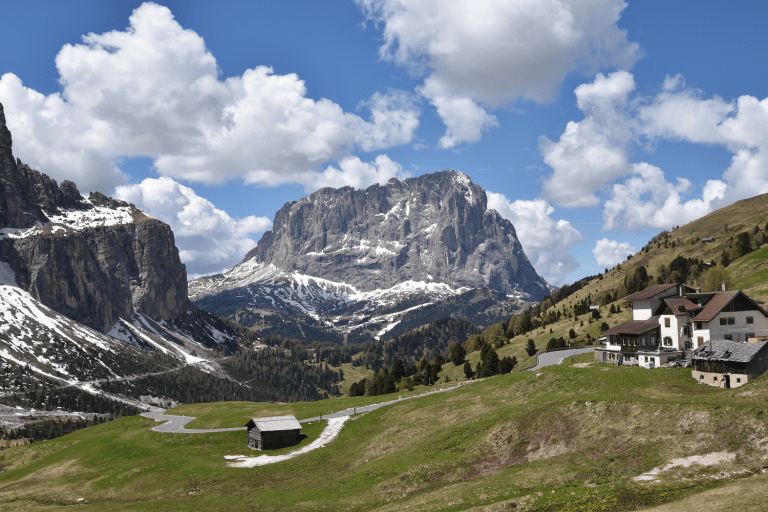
[(717, 303), (675, 303), (635, 326), (273, 423), (649, 292), (726, 350)]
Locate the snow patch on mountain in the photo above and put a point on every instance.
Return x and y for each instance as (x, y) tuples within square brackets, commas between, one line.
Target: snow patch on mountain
[(95, 216)]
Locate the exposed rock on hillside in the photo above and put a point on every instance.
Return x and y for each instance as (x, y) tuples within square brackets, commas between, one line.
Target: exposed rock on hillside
[(433, 228), (95, 260), (355, 263)]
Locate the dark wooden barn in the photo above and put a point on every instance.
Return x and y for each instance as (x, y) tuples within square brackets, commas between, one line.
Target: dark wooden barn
[(273, 432)]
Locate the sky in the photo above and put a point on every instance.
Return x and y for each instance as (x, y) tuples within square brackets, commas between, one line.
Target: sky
[(591, 124)]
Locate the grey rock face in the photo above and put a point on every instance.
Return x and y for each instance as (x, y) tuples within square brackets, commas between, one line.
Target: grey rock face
[(98, 275), (94, 260), (433, 228)]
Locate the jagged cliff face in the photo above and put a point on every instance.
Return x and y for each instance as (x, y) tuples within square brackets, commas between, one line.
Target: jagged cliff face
[(95, 260), (435, 228)]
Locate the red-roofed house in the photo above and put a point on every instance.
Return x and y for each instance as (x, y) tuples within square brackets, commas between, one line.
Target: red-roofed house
[(669, 320), (729, 315)]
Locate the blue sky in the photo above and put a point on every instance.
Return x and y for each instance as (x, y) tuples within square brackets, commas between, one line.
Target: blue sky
[(592, 125)]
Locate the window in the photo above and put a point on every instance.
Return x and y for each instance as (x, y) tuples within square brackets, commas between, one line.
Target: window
[(728, 337), (750, 320), (667, 341), (723, 321), (750, 335), (738, 381), (701, 377), (699, 325), (666, 322), (731, 320), (714, 379)]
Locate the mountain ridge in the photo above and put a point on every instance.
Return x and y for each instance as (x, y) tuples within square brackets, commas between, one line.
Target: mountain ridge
[(359, 261)]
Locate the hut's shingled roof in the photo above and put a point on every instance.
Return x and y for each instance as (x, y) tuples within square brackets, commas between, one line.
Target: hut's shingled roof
[(272, 423)]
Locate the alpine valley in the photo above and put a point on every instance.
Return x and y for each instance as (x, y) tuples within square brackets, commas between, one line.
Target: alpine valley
[(94, 299)]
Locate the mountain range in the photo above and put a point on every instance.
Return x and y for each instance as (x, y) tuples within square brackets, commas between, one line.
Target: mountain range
[(355, 264), (93, 292), (92, 287)]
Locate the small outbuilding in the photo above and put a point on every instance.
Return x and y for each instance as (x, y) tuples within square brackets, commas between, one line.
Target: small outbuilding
[(729, 364), (273, 432)]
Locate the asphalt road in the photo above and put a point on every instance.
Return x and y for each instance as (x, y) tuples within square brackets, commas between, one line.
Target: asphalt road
[(175, 424), (550, 358)]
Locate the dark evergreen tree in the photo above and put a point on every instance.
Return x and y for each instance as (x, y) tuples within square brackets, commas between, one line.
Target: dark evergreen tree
[(468, 370), (458, 354)]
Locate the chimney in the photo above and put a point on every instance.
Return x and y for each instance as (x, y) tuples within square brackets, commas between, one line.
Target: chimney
[(724, 287), (698, 290)]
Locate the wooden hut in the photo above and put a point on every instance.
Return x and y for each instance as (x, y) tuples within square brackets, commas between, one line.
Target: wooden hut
[(273, 432)]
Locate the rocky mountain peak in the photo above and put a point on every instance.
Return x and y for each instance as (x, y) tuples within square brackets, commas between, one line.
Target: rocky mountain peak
[(95, 260), (434, 228)]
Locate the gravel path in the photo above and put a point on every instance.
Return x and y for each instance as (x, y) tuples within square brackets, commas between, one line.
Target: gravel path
[(550, 358), (175, 424)]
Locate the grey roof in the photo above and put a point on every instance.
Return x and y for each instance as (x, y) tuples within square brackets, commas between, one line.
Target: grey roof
[(727, 350), (273, 423)]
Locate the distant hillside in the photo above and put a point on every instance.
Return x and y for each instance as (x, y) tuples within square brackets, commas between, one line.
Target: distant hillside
[(730, 242)]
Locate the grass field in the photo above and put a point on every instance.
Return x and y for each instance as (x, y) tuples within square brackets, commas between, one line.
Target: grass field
[(563, 438)]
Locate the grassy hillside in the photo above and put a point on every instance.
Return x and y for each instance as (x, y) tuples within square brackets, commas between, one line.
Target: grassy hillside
[(724, 226), (565, 438)]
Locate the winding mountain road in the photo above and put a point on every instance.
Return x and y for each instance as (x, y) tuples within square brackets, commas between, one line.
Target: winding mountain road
[(175, 424), (557, 357)]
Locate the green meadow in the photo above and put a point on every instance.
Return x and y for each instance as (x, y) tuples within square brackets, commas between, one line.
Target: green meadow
[(568, 437)]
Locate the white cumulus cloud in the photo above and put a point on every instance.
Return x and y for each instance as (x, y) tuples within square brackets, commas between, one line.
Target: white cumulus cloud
[(209, 240), (153, 90), (592, 155), (647, 199), (353, 172), (492, 52), (592, 152), (546, 242), (609, 253)]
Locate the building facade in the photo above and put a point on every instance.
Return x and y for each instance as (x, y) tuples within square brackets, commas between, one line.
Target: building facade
[(672, 320)]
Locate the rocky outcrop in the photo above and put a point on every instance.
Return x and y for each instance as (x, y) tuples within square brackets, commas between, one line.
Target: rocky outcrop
[(433, 228), (100, 274), (94, 260)]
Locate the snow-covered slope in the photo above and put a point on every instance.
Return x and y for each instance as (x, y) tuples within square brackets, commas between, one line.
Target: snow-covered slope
[(72, 220), (272, 294), (56, 347)]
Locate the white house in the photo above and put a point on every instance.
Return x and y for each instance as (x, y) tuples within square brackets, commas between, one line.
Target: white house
[(670, 319), (646, 301), (729, 315)]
